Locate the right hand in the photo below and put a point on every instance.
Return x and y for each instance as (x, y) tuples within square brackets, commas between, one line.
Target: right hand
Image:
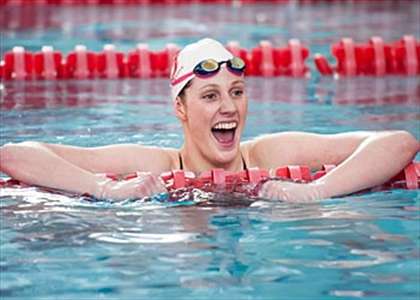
[(144, 185), (292, 191)]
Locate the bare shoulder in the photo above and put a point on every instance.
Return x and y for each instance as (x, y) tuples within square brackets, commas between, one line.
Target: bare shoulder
[(172, 156), (304, 148), (270, 150), (119, 158), (155, 159)]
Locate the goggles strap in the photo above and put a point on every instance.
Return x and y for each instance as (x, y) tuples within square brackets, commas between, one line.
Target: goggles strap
[(181, 78)]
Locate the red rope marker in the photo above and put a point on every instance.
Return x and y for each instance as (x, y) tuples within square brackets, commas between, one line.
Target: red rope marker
[(408, 178), (375, 58), (267, 60), (297, 58), (80, 63), (379, 55), (17, 64), (110, 63), (411, 177), (47, 63), (409, 57)]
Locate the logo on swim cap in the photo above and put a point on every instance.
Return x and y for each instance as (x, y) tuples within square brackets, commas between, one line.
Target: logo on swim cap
[(174, 70)]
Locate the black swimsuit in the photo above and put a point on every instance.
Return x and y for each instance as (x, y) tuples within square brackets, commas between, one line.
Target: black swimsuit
[(181, 165)]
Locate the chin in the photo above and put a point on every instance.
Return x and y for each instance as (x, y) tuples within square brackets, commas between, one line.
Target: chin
[(226, 156)]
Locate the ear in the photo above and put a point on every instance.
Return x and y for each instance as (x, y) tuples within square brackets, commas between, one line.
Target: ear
[(180, 109)]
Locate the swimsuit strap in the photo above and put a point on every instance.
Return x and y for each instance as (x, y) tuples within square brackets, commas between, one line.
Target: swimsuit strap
[(181, 165), (243, 163)]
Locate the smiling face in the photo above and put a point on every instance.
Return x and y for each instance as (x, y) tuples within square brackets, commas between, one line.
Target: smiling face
[(213, 112)]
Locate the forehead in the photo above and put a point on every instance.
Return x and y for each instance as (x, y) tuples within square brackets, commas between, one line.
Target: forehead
[(224, 78)]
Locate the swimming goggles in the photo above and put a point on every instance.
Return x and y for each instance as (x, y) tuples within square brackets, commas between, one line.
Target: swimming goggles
[(210, 67)]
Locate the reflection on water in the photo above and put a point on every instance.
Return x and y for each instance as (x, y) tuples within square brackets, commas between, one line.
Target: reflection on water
[(91, 113), (317, 25), (366, 91), (150, 245)]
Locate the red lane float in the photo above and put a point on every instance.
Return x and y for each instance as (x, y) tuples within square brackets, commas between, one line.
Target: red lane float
[(47, 64), (263, 60), (139, 2), (80, 63), (173, 2), (17, 64), (266, 60), (143, 63), (374, 58), (110, 63), (408, 178)]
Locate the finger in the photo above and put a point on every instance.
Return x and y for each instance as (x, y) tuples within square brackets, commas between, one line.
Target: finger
[(152, 185), (271, 192), (155, 186), (267, 190), (160, 185), (141, 190), (274, 191), (277, 193), (149, 186), (263, 190)]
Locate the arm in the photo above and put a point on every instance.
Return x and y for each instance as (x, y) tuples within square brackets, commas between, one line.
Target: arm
[(74, 168), (364, 159), (376, 160)]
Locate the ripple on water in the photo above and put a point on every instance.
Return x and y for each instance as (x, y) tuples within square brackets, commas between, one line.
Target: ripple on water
[(142, 238), (376, 258)]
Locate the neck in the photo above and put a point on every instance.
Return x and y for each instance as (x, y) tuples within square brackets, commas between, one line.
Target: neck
[(195, 161)]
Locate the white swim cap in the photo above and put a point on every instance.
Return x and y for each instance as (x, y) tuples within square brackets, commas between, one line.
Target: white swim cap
[(191, 56)]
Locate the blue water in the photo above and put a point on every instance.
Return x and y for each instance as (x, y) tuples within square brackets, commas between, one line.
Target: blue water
[(58, 246)]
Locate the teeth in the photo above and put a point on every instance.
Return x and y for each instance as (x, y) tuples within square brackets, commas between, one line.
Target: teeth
[(225, 125)]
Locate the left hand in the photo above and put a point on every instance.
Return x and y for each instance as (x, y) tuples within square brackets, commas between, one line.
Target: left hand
[(291, 191), (145, 184)]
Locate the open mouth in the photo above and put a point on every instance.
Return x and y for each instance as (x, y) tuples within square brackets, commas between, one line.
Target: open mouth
[(224, 132)]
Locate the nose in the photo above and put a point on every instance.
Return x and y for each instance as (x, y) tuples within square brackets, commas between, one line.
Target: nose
[(227, 105)]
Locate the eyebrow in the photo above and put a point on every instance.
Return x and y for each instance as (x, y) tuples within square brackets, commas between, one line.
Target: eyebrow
[(238, 81), (212, 85), (209, 86)]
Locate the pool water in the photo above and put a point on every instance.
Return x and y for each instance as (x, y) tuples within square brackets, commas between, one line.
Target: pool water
[(212, 245)]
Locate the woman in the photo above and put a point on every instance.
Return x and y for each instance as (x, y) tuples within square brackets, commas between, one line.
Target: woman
[(209, 98)]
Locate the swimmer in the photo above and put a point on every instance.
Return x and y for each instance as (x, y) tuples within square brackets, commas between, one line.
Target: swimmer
[(209, 98)]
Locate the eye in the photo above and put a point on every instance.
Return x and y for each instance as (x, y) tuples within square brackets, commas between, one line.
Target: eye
[(210, 96), (237, 92)]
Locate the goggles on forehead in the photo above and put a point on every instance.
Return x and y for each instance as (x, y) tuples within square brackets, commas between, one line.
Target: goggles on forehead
[(210, 67)]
